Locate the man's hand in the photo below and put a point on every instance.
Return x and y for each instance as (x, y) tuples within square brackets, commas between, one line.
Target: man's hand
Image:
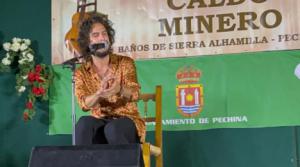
[(110, 86), (126, 92)]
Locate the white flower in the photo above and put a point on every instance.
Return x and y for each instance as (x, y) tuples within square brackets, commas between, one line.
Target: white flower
[(7, 55), (6, 46), (21, 61), (24, 77), (24, 53), (15, 47), (23, 47), (27, 41), (30, 57), (22, 89), (16, 40), (6, 61)]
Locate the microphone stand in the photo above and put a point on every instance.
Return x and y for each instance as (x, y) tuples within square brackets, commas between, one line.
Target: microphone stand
[(71, 64)]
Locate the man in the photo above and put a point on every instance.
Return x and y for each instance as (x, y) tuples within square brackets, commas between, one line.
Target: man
[(106, 85)]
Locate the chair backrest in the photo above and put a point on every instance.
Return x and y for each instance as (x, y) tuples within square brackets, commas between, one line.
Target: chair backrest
[(157, 98)]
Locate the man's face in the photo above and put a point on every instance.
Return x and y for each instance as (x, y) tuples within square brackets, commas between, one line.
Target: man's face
[(98, 35)]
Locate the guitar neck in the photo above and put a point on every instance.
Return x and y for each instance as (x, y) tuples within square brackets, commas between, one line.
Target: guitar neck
[(82, 4)]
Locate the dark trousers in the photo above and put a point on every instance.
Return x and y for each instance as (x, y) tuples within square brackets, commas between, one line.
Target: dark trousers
[(91, 130)]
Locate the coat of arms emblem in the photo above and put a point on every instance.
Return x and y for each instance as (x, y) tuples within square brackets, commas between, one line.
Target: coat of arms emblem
[(189, 93)]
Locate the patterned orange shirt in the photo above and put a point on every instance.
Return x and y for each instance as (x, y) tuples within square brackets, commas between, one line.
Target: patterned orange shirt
[(87, 82)]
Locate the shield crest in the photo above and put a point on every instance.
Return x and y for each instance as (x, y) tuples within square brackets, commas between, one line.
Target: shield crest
[(189, 99)]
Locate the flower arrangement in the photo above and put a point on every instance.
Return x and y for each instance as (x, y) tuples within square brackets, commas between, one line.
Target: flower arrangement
[(31, 78)]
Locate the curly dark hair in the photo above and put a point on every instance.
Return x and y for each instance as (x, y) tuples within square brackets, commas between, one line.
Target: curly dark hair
[(86, 27)]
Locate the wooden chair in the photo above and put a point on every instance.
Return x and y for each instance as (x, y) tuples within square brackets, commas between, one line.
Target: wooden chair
[(153, 149)]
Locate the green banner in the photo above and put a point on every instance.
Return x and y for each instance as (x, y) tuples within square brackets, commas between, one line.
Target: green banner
[(234, 91)]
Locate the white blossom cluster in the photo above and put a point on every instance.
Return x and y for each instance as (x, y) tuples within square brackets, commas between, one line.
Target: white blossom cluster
[(17, 45), (20, 48)]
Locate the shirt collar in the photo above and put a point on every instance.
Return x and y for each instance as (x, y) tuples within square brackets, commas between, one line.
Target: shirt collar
[(113, 63)]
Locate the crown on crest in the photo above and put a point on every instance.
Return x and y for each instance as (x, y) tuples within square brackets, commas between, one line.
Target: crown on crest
[(188, 74)]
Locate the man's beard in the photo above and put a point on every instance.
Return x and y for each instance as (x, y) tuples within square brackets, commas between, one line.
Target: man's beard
[(101, 49), (102, 54)]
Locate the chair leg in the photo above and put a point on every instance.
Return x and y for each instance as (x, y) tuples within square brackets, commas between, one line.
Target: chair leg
[(159, 161), (146, 154)]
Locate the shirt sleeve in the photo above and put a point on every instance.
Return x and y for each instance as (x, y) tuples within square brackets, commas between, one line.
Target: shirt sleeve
[(129, 78), (81, 90)]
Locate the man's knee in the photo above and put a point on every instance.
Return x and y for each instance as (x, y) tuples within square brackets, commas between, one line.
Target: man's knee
[(120, 125), (121, 130), (84, 122)]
